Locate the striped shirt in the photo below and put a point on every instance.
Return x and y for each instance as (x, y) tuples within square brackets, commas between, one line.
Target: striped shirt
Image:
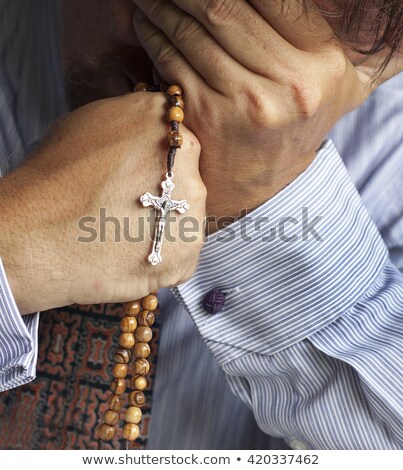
[(307, 351)]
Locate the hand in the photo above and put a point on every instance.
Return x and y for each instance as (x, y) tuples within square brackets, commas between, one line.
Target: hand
[(104, 155), (263, 88)]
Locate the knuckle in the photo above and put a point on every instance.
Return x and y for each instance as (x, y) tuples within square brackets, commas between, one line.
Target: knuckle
[(192, 146), (337, 62), (202, 191), (186, 28), (218, 12), (165, 54), (199, 195), (157, 8), (258, 107), (307, 98)]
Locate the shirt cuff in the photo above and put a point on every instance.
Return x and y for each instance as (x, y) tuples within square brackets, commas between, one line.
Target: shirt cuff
[(290, 268), (18, 340)]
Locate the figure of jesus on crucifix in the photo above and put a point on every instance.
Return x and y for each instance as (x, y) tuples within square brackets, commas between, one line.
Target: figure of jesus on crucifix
[(164, 204)]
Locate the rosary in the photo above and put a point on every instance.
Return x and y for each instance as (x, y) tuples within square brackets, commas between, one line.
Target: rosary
[(135, 326)]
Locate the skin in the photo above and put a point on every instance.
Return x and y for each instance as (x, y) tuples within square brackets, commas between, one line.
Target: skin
[(259, 122), (101, 155), (284, 82)]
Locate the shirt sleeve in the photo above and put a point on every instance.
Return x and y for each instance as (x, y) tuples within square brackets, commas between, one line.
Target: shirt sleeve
[(18, 340), (310, 336)]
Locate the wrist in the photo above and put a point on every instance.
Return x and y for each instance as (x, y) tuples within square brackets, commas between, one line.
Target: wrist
[(235, 190), (28, 253)]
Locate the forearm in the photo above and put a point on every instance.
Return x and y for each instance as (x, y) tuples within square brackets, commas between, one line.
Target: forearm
[(30, 255)]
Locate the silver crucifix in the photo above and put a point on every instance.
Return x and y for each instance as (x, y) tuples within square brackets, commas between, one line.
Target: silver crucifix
[(164, 204)]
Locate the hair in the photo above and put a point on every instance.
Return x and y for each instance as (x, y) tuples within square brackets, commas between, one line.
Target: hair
[(386, 25)]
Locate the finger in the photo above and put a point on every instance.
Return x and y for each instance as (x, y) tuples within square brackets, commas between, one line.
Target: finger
[(168, 61), (304, 26), (299, 23), (202, 52), (244, 34)]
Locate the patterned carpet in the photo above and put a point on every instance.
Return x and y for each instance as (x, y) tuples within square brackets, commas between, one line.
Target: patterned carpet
[(62, 408)]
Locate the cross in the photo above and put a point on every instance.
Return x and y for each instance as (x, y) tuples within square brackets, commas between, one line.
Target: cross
[(165, 204)]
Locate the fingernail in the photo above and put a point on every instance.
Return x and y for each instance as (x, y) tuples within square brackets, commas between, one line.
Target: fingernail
[(139, 14)]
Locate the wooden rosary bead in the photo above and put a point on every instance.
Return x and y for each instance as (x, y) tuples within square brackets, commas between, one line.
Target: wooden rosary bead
[(126, 340), (143, 334), (146, 318), (174, 90), (119, 371), (131, 431), (128, 324), (118, 386), (175, 114), (132, 308), (141, 86), (111, 417), (137, 398), (141, 366), (135, 326), (142, 350), (115, 402), (106, 432), (150, 302), (175, 139), (133, 415), (123, 356), (176, 101), (139, 382)]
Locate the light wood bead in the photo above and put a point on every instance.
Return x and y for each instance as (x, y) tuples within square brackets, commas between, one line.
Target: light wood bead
[(132, 308), (137, 398), (111, 417), (175, 139), (139, 382), (141, 86), (141, 366), (133, 415), (106, 432), (131, 431), (174, 90), (123, 356), (146, 318), (143, 334), (175, 114), (142, 350), (119, 371), (126, 340), (118, 386), (150, 302), (115, 402), (128, 324)]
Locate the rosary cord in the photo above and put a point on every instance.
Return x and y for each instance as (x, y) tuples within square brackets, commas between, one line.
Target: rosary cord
[(136, 325), (172, 150), (171, 159), (124, 444), (101, 444)]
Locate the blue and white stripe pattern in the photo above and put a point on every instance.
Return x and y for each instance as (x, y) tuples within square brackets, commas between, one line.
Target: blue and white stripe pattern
[(31, 96), (18, 340), (308, 348)]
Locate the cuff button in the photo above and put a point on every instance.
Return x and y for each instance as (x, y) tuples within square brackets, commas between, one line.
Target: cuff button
[(214, 301)]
